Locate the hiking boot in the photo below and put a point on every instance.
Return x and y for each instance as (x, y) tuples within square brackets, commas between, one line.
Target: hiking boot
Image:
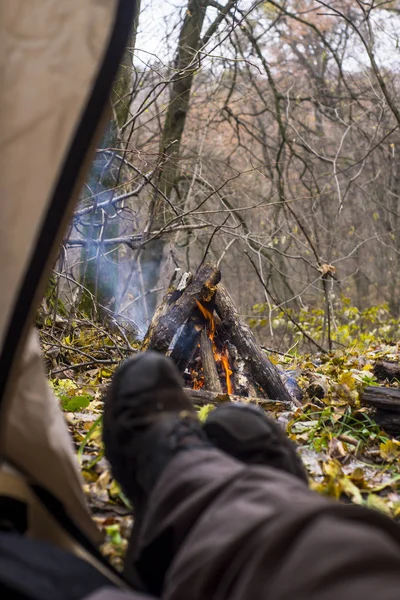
[(147, 419), (246, 433)]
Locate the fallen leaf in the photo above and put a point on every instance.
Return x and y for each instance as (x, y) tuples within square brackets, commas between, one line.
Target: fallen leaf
[(390, 451), (378, 503)]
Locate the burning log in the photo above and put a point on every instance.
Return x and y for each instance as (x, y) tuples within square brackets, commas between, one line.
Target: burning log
[(262, 370), (242, 385), (226, 360), (177, 285), (184, 347), (202, 289), (211, 377), (219, 357)]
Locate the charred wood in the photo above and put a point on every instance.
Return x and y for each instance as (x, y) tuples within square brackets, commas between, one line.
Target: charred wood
[(201, 288), (176, 287), (185, 346)]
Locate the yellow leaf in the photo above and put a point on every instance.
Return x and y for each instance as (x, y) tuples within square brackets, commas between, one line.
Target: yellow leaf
[(347, 379), (390, 450), (351, 490), (105, 372), (114, 488), (332, 468), (104, 480), (378, 503), (204, 411)]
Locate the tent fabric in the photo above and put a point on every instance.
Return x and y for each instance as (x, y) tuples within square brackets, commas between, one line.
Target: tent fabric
[(37, 440), (49, 58), (58, 60)]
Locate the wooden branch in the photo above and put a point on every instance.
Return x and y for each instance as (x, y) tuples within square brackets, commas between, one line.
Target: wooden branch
[(202, 397), (260, 367), (382, 397), (201, 288), (211, 378)]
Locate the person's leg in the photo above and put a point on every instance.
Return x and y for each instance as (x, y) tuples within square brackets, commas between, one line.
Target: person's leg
[(213, 527), (220, 530)]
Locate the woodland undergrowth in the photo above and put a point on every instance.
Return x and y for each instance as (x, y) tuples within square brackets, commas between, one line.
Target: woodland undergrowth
[(347, 455)]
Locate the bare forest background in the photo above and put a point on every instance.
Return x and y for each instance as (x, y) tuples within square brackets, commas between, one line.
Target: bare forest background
[(262, 136)]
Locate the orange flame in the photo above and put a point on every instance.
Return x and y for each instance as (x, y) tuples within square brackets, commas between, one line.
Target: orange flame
[(198, 380), (208, 316), (198, 384), (224, 357), (228, 372)]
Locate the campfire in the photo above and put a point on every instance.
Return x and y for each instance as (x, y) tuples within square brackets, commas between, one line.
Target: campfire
[(198, 326)]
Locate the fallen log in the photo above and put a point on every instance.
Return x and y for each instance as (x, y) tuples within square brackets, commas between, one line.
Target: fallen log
[(382, 397), (260, 367), (389, 421), (387, 370), (203, 397), (201, 288)]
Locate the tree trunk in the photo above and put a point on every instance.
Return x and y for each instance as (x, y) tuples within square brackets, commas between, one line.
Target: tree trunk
[(186, 63)]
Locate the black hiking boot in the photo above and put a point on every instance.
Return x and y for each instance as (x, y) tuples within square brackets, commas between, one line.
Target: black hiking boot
[(147, 420), (246, 433)]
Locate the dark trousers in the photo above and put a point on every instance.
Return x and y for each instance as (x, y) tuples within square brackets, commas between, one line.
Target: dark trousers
[(216, 529)]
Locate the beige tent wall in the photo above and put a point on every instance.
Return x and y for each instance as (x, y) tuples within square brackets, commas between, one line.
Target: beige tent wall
[(57, 63)]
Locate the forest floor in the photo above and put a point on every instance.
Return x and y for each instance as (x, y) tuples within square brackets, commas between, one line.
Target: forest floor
[(347, 455)]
